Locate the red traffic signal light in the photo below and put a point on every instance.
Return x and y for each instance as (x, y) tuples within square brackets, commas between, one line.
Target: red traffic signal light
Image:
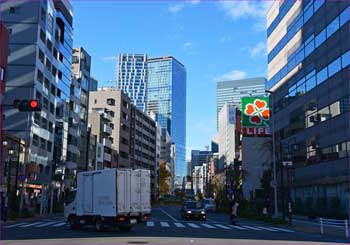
[(27, 105)]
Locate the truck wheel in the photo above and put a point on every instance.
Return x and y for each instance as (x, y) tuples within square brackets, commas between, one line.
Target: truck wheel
[(99, 225), (73, 222), (124, 228)]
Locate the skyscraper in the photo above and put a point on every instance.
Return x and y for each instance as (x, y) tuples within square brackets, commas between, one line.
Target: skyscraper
[(308, 77), (39, 65), (166, 97), (132, 78), (232, 91)]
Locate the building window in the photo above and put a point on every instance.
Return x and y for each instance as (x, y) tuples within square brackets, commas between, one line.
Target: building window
[(55, 53), (58, 91), (37, 118), (95, 101), (75, 60), (42, 36), (46, 103), (44, 123), (43, 15), (59, 75), (49, 45), (334, 67), (41, 56), (14, 10), (54, 71), (48, 64), (110, 101), (2, 73), (49, 146), (52, 109), (53, 90), (50, 127), (40, 76), (50, 23)]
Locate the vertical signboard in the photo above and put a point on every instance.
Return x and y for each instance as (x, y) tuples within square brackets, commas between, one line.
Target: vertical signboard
[(255, 116)]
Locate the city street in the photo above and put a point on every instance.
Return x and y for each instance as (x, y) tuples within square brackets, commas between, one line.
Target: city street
[(165, 227)]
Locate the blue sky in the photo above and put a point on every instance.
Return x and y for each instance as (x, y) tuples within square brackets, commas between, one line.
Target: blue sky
[(215, 40)]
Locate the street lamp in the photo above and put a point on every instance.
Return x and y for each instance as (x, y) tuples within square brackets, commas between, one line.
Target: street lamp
[(289, 165), (273, 154)]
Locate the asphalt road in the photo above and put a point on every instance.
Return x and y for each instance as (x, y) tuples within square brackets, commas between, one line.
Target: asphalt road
[(165, 227)]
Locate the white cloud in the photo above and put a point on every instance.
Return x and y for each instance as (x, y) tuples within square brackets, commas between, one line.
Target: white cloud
[(187, 45), (247, 9), (195, 1), (258, 49), (232, 75), (109, 58), (224, 39), (176, 8)]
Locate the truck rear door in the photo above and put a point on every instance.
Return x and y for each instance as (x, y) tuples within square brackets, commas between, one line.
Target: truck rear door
[(123, 191), (135, 198), (145, 194)]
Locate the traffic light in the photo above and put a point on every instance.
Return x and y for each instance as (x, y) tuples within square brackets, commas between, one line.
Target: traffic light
[(27, 105)]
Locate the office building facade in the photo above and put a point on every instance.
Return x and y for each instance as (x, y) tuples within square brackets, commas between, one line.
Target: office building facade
[(308, 75), (166, 97), (39, 67), (132, 78), (233, 91)]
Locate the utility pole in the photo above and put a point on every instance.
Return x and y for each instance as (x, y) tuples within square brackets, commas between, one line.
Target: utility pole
[(274, 155)]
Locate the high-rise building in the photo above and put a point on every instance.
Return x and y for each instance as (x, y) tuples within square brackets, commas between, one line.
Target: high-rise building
[(166, 97), (198, 158), (233, 91), (78, 106), (39, 67), (226, 134), (132, 78), (131, 132), (308, 77)]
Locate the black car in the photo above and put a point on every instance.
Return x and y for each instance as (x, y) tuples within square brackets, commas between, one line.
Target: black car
[(193, 210)]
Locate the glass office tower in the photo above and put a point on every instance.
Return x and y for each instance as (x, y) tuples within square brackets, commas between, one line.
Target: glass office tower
[(308, 75), (166, 97)]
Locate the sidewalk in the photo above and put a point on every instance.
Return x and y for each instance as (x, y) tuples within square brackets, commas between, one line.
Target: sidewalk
[(36, 217)]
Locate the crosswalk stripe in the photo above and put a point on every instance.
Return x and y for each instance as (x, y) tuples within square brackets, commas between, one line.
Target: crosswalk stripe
[(9, 226), (265, 228), (59, 224), (208, 226), (164, 224), (237, 227), (31, 224), (47, 224), (150, 223), (222, 226), (179, 225), (281, 229), (251, 227), (193, 225)]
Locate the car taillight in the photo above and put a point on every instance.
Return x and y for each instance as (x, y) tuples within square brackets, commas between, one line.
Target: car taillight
[(121, 218)]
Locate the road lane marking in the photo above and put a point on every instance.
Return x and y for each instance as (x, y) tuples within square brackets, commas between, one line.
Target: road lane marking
[(179, 225), (47, 224), (237, 227), (150, 223), (164, 224), (59, 224), (281, 229), (32, 224), (171, 217), (208, 226), (251, 227), (265, 228), (10, 226), (193, 225), (222, 226)]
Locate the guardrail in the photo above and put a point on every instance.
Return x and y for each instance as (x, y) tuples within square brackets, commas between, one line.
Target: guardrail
[(334, 223)]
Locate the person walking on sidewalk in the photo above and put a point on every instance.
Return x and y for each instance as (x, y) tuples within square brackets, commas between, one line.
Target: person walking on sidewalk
[(234, 213)]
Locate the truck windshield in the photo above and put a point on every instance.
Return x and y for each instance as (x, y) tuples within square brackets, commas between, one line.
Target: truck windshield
[(70, 196)]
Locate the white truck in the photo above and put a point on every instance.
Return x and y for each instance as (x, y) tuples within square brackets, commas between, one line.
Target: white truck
[(109, 198)]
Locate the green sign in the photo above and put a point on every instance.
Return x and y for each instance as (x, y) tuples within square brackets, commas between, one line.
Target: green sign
[(255, 112)]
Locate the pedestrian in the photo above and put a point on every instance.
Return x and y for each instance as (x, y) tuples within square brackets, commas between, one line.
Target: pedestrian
[(234, 213)]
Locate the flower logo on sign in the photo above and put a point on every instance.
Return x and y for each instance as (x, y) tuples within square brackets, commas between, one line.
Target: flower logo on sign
[(258, 112)]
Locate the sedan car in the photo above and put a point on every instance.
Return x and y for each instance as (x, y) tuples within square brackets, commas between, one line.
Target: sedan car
[(209, 205), (193, 210)]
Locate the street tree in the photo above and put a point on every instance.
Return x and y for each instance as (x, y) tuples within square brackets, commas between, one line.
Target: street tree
[(164, 175)]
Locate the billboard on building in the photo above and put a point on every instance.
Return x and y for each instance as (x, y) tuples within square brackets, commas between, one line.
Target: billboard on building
[(255, 116)]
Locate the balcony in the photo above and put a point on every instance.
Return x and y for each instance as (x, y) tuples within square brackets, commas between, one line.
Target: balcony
[(107, 142), (107, 157), (107, 129), (107, 116)]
